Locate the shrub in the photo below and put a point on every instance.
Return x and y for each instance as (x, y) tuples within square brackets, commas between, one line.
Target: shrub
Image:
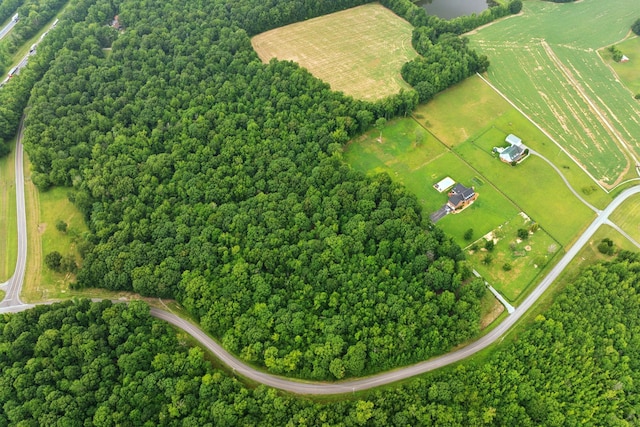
[(523, 233), (506, 266), (468, 235), (636, 27), (489, 245)]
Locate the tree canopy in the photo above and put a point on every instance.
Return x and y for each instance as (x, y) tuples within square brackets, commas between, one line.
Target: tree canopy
[(83, 363)]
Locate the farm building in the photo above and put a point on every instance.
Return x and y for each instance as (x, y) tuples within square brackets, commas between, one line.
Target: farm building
[(444, 185), (460, 197), (515, 152), (624, 58)]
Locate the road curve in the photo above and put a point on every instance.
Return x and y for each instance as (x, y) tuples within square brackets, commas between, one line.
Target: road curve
[(320, 388), (12, 303)]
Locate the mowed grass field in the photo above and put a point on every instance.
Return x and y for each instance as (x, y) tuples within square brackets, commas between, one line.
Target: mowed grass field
[(358, 51), (627, 217), (545, 61), (8, 218)]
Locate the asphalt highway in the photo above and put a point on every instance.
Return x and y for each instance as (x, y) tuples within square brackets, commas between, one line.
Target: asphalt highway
[(7, 28), (12, 303)]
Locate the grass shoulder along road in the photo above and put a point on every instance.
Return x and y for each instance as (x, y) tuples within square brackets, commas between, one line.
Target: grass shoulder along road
[(8, 217)]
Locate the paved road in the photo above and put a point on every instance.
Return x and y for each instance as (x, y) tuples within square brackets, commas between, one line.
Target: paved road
[(7, 28), (14, 285), (12, 303)]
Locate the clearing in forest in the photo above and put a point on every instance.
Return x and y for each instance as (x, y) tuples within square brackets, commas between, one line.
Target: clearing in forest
[(358, 51), (545, 61)]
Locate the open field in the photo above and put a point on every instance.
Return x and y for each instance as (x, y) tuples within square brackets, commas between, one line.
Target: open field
[(545, 62), (358, 51), (628, 72), (8, 220), (461, 111)]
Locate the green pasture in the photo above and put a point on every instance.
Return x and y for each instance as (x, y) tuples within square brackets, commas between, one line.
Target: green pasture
[(556, 77), (8, 217), (526, 258), (627, 217), (358, 51), (419, 166), (628, 72), (532, 185), (461, 111)]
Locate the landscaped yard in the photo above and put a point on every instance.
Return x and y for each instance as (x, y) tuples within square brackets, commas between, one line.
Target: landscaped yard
[(545, 62), (358, 51), (628, 72), (514, 263)]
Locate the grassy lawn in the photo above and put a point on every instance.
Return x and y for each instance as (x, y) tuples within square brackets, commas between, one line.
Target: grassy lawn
[(532, 185), (462, 111), (628, 72), (514, 264), (8, 219), (420, 165), (358, 51), (557, 78)]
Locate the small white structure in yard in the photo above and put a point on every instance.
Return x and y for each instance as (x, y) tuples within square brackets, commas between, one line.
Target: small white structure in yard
[(444, 185), (624, 58)]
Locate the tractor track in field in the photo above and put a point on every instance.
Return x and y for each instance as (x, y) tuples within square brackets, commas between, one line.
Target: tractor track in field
[(598, 113)]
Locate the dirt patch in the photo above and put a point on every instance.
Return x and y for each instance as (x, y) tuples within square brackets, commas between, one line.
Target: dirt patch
[(42, 227), (496, 310)]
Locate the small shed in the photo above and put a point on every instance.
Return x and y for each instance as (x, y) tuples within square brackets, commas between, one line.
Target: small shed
[(624, 58), (444, 185)]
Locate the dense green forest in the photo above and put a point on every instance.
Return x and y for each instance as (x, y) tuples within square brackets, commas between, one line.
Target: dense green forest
[(210, 177), (82, 363)]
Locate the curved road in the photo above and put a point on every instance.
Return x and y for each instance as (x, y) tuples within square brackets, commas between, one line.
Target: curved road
[(12, 303)]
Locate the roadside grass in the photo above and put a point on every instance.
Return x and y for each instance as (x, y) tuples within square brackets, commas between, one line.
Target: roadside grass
[(2, 295), (461, 111), (358, 51), (553, 77), (8, 216), (526, 259), (627, 217), (533, 186), (628, 72)]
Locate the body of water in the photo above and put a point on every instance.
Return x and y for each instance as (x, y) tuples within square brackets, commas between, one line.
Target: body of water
[(449, 9)]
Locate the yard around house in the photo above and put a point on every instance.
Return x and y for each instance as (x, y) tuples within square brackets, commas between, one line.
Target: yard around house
[(627, 72), (358, 51), (545, 61)]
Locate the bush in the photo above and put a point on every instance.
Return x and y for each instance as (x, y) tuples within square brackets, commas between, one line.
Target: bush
[(523, 233), (489, 245), (636, 27), (488, 259), (606, 247), (468, 235), (515, 6), (53, 260), (506, 266), (61, 226)]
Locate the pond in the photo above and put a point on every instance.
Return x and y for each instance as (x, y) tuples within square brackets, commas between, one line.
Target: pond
[(449, 9)]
